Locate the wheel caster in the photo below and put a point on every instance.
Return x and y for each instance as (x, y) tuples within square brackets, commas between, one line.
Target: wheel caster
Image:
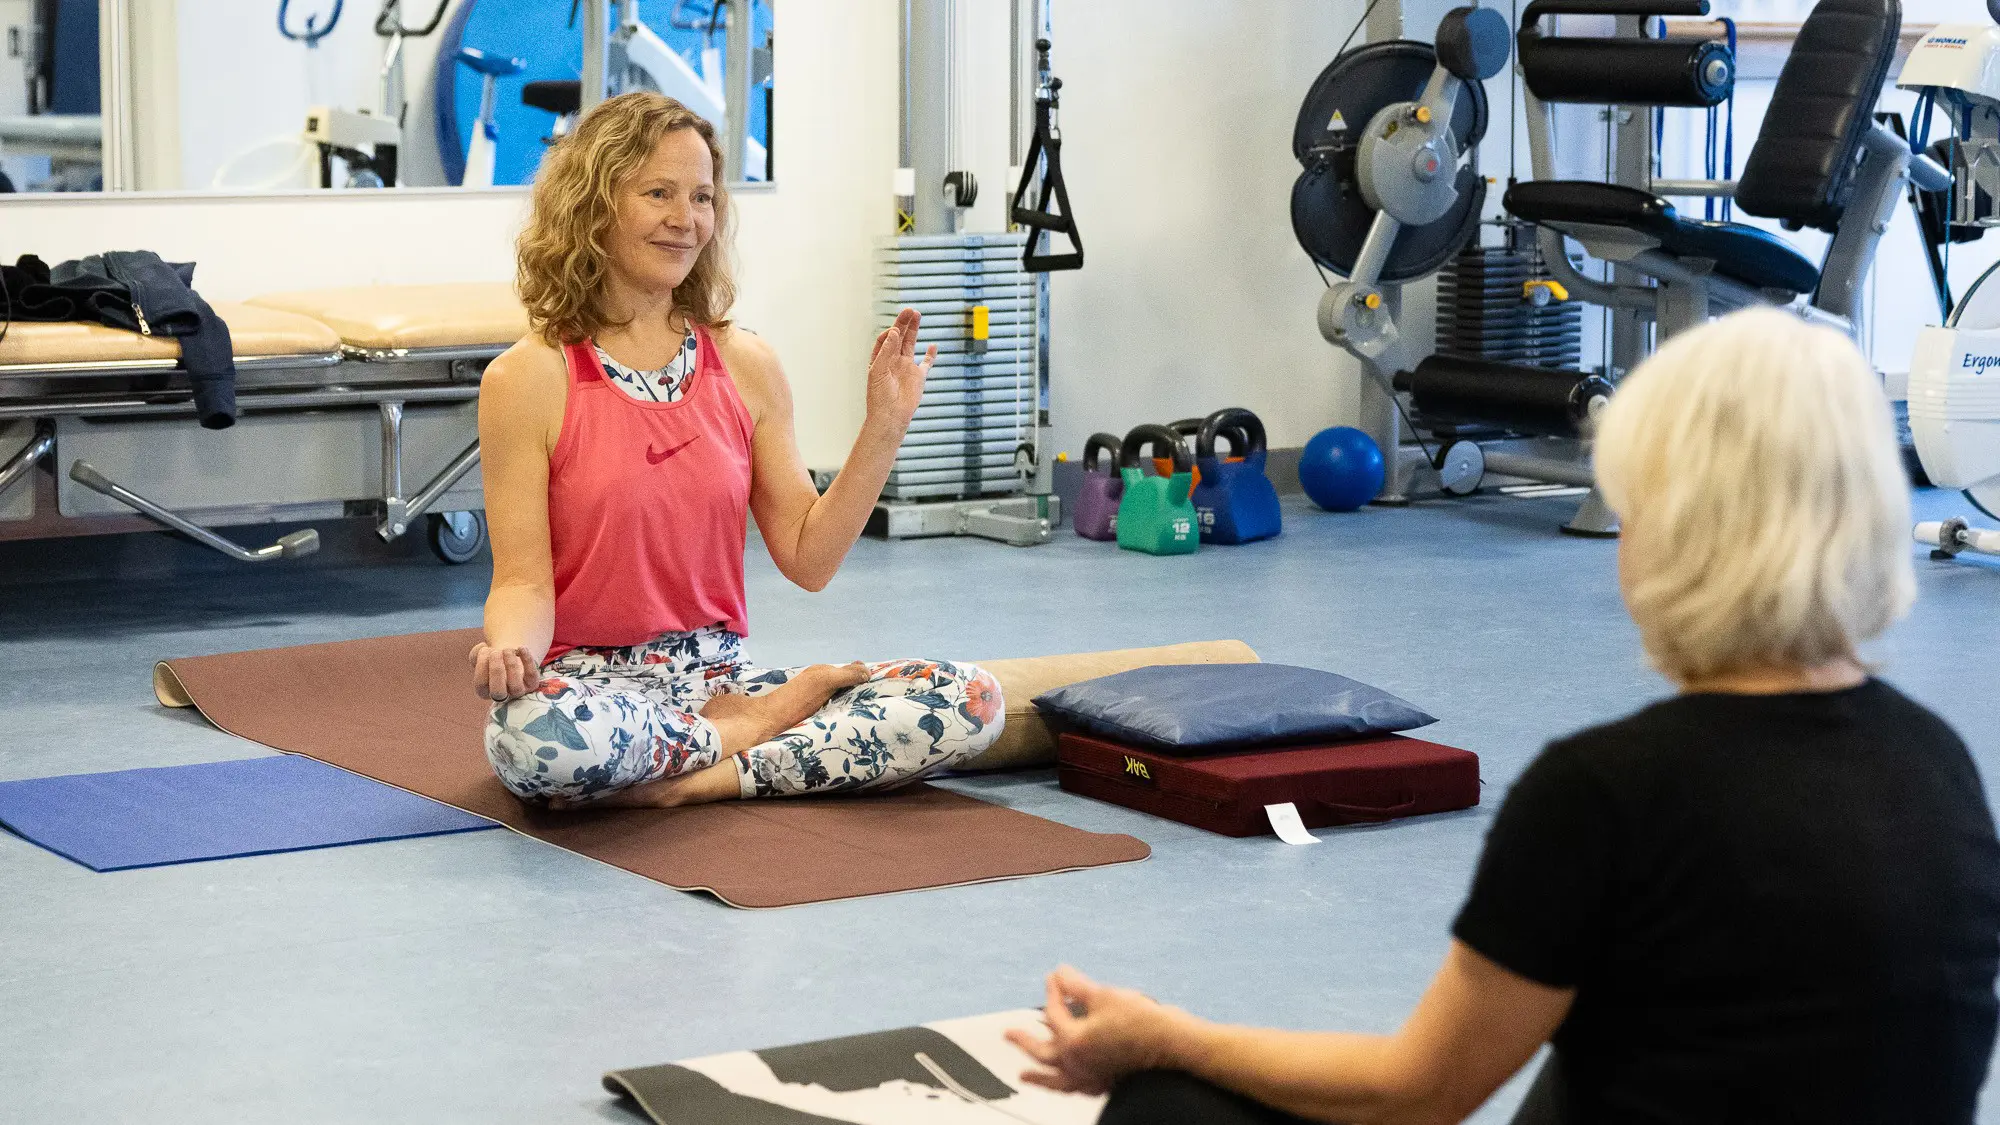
[(457, 537), (1461, 466)]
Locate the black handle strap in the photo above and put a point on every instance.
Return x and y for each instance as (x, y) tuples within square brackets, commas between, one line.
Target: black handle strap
[(1131, 452), (1045, 153), (1231, 422)]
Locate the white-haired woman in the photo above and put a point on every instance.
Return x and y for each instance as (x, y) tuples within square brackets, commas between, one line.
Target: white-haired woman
[(1772, 897)]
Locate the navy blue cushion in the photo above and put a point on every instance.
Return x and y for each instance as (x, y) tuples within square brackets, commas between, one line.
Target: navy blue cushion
[(1191, 707)]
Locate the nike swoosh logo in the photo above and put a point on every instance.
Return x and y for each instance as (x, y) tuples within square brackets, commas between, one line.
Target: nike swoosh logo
[(653, 458)]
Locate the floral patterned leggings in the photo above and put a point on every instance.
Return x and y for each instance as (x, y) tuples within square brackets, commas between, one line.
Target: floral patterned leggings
[(606, 719)]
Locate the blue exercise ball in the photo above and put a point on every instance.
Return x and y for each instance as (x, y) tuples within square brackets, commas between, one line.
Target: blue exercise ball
[(1341, 469)]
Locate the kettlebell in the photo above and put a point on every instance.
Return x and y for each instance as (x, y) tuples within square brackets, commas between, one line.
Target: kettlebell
[(1155, 514), (1186, 429), (1097, 505), (1235, 500)]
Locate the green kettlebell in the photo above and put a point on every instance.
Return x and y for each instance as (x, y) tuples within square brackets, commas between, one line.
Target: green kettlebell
[(1156, 515)]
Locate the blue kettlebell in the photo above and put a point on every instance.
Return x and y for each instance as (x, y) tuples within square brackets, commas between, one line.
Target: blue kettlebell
[(1341, 469), (1234, 500), (1097, 503)]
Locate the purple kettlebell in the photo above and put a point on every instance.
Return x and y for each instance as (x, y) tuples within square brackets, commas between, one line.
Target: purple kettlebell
[(1097, 507)]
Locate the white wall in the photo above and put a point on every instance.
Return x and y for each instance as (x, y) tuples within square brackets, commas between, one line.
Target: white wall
[(250, 244)]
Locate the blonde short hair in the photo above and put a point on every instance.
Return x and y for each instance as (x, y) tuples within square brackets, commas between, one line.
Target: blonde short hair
[(560, 255), (1766, 514)]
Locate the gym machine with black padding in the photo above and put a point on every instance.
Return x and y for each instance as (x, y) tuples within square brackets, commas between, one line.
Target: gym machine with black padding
[(1155, 513), (1365, 210)]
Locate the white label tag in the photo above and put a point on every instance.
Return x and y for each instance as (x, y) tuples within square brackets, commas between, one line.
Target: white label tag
[(1286, 823), (1338, 124)]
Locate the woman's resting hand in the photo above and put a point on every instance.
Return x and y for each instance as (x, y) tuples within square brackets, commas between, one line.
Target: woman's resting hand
[(744, 721), (503, 673), (1097, 1035)]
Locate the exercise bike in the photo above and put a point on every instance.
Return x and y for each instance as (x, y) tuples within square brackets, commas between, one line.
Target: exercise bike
[(367, 142), (1954, 393)]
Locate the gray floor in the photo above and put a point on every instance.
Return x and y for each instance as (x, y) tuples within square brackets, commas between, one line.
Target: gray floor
[(491, 978)]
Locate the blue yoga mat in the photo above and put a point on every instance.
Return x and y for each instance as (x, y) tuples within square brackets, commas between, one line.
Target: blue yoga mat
[(179, 814)]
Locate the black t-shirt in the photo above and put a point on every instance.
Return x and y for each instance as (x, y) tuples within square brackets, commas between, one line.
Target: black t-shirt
[(1772, 908)]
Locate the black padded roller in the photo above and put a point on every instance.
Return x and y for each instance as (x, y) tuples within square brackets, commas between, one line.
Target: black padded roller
[(1668, 72), (1532, 400)]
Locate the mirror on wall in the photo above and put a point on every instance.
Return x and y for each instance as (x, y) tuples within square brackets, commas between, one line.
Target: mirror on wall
[(343, 95), (51, 128)]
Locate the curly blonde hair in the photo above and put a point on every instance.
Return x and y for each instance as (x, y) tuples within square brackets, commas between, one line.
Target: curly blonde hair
[(560, 255)]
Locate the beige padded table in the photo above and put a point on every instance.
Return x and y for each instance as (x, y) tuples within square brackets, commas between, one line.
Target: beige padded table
[(386, 320), (254, 333)]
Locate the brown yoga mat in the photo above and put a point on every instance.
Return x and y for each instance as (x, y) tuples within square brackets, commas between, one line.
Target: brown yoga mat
[(400, 710)]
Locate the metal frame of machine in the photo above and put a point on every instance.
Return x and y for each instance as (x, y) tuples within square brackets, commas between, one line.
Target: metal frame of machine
[(122, 455), (1648, 287), (975, 462)]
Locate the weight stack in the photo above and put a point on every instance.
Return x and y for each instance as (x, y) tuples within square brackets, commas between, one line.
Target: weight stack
[(979, 405), (1483, 314)]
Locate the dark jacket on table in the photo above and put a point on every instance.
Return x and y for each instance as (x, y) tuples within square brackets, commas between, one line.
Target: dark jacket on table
[(136, 291)]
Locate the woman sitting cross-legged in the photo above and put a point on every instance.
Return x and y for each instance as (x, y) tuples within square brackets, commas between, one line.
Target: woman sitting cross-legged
[(624, 445), (1773, 897)]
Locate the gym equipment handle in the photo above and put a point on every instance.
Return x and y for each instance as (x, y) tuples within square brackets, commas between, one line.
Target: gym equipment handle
[(1372, 812), (1107, 444), (1232, 422), (1133, 448)]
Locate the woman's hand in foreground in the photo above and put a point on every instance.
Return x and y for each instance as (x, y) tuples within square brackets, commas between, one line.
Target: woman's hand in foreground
[(503, 673), (1097, 1035), (895, 376), (744, 721)]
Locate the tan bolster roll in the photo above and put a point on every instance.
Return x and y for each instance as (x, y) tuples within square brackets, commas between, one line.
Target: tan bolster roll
[(388, 317), (1027, 740)]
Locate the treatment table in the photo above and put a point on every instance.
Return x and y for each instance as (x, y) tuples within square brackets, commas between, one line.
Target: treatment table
[(342, 396)]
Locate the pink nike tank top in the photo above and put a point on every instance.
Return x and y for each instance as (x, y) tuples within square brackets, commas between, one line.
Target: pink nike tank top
[(648, 506)]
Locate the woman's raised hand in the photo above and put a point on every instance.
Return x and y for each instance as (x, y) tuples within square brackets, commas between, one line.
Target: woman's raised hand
[(503, 673), (895, 375)]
